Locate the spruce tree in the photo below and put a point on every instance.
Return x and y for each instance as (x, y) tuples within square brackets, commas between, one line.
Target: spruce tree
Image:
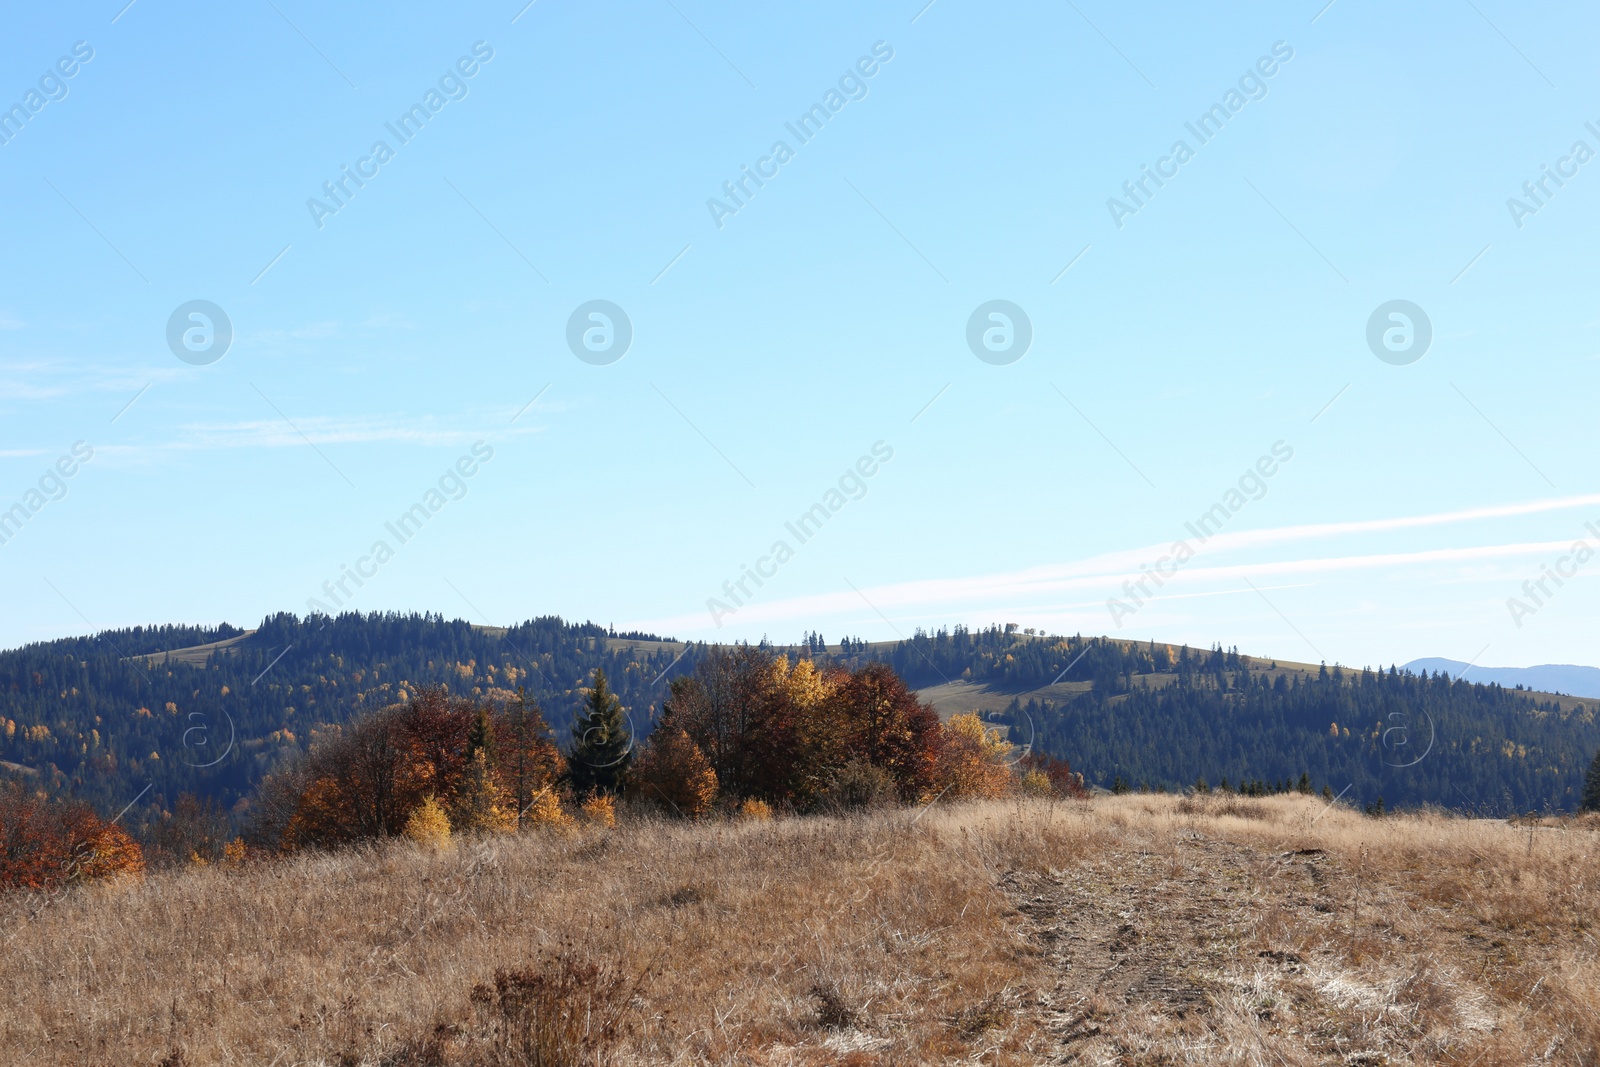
[(480, 737), (1591, 786), (602, 748)]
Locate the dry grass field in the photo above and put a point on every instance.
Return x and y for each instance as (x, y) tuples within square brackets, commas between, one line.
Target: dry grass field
[(1123, 930)]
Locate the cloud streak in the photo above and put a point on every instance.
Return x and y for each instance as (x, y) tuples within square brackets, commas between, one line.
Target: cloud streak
[(1106, 571)]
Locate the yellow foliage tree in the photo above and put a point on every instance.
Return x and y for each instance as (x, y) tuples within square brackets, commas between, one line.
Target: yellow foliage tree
[(428, 824), (600, 809), (480, 804), (544, 810), (972, 760)]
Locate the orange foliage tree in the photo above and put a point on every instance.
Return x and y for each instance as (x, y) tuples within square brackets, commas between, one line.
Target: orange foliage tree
[(673, 773), (526, 760), (46, 844), (367, 779), (780, 732)]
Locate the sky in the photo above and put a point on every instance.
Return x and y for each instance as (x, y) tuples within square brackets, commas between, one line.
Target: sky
[(1271, 326)]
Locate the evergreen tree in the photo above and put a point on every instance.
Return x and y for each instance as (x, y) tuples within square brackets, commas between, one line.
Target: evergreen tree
[(481, 737), (1591, 786), (602, 748)]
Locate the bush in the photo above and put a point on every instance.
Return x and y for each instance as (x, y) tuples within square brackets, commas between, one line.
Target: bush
[(1036, 783), (1064, 781), (544, 810), (600, 810), (971, 762), (46, 844), (566, 1012), (755, 810), (428, 824), (859, 786)]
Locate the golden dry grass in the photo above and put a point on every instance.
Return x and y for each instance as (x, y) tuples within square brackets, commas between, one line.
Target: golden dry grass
[(1135, 929)]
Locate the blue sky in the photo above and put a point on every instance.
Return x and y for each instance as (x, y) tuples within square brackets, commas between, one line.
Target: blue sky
[(1172, 346)]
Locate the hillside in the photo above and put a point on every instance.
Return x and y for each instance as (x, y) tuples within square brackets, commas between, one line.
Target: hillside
[(137, 717), (1154, 930)]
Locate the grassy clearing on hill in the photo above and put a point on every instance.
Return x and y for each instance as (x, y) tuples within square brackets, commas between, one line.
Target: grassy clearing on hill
[(1133, 929)]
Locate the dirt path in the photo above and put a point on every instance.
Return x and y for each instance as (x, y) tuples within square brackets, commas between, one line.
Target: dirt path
[(1147, 949)]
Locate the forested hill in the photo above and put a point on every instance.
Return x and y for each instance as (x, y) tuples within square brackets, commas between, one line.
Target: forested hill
[(106, 718), (1160, 716), (102, 718)]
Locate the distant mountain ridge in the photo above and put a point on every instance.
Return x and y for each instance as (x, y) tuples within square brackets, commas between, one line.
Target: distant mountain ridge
[(140, 716), (1546, 678)]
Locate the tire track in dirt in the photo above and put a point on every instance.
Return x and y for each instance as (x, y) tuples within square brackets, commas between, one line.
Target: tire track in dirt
[(1158, 934)]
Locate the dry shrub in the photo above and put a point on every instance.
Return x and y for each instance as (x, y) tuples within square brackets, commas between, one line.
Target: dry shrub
[(564, 1012), (1218, 804), (1036, 783), (600, 809), (544, 810), (833, 1011), (755, 810), (859, 786)]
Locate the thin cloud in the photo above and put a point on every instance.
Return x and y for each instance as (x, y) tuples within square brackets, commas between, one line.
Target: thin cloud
[(1107, 571)]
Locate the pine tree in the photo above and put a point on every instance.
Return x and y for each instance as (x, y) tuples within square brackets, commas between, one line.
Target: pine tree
[(1591, 786), (602, 748)]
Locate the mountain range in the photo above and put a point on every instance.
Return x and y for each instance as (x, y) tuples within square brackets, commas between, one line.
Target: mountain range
[(132, 719), (1545, 678)]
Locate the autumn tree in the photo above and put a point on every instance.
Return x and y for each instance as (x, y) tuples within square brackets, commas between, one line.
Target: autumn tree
[(527, 762), (46, 843), (674, 774), (759, 721), (1063, 780), (364, 780), (602, 747), (194, 830), (885, 724), (972, 760), (722, 707)]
